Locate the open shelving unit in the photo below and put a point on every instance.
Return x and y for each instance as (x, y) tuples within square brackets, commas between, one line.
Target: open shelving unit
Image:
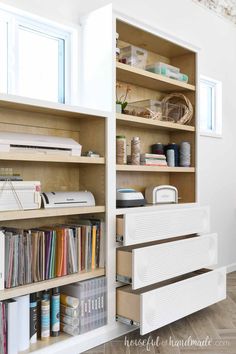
[(146, 85), (95, 130), (58, 172)]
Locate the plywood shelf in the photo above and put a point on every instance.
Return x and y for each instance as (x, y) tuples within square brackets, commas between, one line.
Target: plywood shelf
[(59, 158), (143, 78), (51, 283), (135, 121), (45, 213), (141, 168), (38, 106)]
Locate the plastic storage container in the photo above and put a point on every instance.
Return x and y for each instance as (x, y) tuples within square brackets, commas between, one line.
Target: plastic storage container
[(134, 56), (167, 70), (172, 112), (145, 108), (162, 68)]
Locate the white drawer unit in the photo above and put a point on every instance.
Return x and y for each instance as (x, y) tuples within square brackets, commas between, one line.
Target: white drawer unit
[(165, 259), (156, 306), (148, 226)]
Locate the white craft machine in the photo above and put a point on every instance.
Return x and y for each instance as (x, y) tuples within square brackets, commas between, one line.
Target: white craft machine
[(21, 142), (19, 195), (163, 194), (67, 199)]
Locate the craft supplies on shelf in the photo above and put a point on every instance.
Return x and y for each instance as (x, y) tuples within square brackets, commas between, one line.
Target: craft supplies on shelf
[(180, 99), (167, 70), (121, 154), (133, 56), (91, 311), (135, 150), (157, 149), (185, 154), (172, 154), (145, 108), (172, 112), (153, 160)]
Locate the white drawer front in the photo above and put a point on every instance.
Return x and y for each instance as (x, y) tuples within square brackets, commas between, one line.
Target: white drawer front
[(161, 224), (167, 304), (156, 263)]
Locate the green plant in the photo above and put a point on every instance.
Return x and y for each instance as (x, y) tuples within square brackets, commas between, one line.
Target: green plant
[(122, 97)]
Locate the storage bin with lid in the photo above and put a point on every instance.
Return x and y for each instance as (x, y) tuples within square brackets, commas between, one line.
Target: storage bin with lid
[(134, 56)]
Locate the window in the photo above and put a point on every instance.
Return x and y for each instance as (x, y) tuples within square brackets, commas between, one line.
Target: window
[(210, 107), (35, 58)]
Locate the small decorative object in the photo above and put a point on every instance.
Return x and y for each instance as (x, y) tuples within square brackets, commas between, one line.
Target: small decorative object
[(135, 150), (183, 102), (121, 98), (185, 154), (91, 153), (121, 155)]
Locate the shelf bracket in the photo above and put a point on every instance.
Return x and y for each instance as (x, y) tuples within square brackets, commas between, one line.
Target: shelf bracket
[(123, 279), (119, 238), (127, 321)]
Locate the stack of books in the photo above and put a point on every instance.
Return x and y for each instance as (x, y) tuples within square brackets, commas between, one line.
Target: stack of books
[(41, 254), (92, 297), (153, 160)]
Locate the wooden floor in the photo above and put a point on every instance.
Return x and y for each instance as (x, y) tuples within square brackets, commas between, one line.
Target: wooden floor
[(210, 331)]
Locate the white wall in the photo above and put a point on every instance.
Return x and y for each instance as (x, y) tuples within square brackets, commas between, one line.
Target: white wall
[(216, 38)]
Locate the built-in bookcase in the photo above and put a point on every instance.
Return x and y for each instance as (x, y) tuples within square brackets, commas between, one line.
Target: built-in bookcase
[(56, 172), (146, 85)]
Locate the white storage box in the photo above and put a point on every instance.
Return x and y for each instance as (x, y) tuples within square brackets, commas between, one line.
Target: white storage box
[(20, 195)]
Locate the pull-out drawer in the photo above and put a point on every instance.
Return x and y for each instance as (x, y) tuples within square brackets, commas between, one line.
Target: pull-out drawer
[(160, 224), (165, 259), (155, 306)]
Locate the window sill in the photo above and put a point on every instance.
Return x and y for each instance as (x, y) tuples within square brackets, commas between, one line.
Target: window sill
[(211, 135)]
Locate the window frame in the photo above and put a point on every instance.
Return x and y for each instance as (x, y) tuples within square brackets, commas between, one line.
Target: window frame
[(216, 107), (70, 35)]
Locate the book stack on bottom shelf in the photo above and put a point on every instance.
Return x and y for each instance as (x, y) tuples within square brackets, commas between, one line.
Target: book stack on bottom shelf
[(27, 319)]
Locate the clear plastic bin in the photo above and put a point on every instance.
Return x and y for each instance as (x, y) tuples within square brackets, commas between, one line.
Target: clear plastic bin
[(162, 68), (168, 71), (146, 108), (134, 56), (172, 112)]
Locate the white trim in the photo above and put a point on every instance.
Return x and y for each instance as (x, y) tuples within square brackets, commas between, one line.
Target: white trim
[(70, 34), (231, 268), (216, 131), (156, 31)]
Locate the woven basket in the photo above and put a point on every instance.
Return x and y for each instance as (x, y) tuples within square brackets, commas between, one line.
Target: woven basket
[(179, 98)]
